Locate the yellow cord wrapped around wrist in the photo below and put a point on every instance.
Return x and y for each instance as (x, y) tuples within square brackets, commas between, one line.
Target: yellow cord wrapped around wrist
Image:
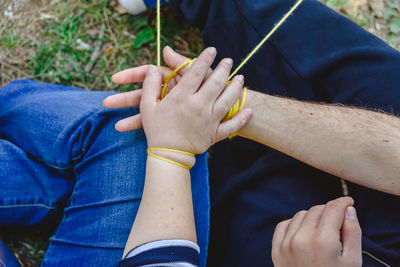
[(151, 154)]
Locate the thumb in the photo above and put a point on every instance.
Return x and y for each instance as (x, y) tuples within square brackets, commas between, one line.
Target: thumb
[(151, 86), (351, 237)]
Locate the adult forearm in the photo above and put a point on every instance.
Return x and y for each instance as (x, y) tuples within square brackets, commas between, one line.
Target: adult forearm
[(358, 145)]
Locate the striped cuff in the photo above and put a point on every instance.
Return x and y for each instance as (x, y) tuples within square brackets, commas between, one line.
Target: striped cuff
[(167, 253)]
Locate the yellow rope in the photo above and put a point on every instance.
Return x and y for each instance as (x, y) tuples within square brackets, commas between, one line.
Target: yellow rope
[(158, 33), (173, 74), (255, 50), (238, 106), (151, 154)]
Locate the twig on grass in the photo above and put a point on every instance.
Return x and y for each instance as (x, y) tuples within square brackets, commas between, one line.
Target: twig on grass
[(97, 49)]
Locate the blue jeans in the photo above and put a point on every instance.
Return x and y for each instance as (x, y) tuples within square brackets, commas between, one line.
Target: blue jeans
[(317, 55), (59, 152)]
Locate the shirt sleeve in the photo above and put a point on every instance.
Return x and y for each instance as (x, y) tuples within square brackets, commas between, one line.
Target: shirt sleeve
[(165, 253)]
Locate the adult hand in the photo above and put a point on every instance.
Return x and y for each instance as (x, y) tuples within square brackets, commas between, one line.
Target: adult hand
[(189, 117), (138, 74), (326, 235)]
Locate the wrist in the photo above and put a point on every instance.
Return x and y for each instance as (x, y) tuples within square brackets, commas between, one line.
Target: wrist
[(185, 159)]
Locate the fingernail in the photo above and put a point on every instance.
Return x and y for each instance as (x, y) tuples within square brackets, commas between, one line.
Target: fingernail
[(240, 78), (351, 213), (228, 61), (211, 51)]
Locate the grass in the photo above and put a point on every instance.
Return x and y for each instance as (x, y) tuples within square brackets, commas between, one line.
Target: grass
[(380, 17), (81, 43)]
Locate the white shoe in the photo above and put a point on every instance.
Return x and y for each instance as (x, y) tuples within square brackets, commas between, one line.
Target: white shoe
[(133, 7)]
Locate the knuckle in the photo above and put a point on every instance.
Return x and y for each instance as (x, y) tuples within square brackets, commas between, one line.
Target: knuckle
[(317, 208), (347, 199), (226, 104), (285, 247), (217, 83), (331, 205), (339, 202), (300, 213), (299, 243), (222, 107), (355, 231), (281, 225), (196, 72)]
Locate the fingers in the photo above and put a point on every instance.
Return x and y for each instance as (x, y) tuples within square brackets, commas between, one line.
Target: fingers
[(151, 86), (305, 241), (277, 239), (194, 77), (173, 59), (129, 124), (333, 214), (216, 83), (293, 227), (136, 75), (312, 218), (233, 125), (351, 237), (228, 97), (123, 100)]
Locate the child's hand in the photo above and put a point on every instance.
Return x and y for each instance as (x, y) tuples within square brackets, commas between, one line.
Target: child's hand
[(326, 235), (189, 117), (138, 74)]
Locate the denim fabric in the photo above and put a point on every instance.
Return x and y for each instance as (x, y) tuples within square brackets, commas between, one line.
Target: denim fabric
[(316, 55), (59, 152), (7, 258)]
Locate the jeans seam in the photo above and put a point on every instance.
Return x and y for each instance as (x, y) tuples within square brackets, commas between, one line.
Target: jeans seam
[(101, 204), (271, 43), (27, 205), (62, 241)]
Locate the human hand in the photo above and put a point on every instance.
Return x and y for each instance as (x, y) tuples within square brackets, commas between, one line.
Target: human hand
[(138, 74), (326, 235), (189, 117)]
